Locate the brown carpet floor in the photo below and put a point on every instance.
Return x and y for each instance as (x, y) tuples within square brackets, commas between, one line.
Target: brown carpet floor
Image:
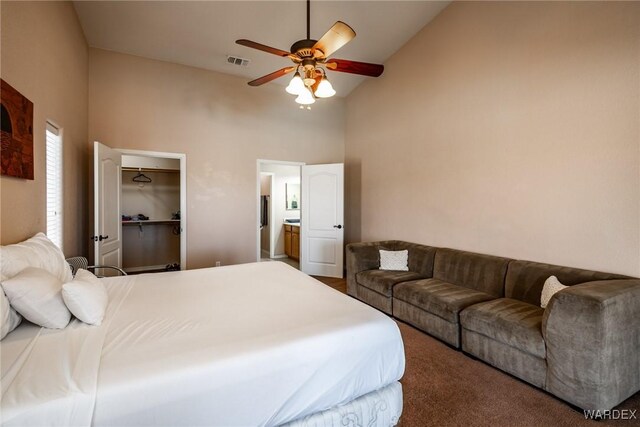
[(444, 387)]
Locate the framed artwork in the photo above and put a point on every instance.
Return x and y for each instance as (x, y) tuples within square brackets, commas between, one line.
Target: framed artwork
[(17, 133)]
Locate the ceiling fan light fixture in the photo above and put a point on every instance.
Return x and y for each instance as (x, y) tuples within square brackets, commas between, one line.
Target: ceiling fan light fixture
[(305, 97), (296, 85), (325, 90), (309, 75), (310, 58)]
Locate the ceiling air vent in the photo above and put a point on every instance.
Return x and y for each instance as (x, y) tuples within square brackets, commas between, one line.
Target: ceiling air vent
[(237, 61)]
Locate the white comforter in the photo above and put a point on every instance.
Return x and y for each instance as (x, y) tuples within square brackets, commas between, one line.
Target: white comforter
[(254, 344)]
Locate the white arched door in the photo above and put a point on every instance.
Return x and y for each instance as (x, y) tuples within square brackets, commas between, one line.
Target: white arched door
[(322, 218), (107, 234)]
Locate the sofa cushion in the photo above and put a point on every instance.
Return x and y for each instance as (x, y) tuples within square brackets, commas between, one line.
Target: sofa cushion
[(508, 321), (525, 279), (443, 299), (374, 299), (483, 273), (382, 281)]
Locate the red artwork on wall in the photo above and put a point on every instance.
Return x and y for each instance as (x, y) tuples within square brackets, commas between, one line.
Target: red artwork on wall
[(17, 133)]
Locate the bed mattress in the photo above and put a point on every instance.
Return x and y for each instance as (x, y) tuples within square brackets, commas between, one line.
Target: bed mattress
[(253, 344)]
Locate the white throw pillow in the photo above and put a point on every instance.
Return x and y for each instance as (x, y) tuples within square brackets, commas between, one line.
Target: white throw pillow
[(86, 297), (551, 286), (9, 318), (39, 252), (36, 295), (394, 260)]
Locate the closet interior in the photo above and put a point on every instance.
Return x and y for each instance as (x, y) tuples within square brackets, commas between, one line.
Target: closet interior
[(151, 221)]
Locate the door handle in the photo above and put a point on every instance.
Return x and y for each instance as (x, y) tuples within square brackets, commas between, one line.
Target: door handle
[(101, 238), (337, 226)]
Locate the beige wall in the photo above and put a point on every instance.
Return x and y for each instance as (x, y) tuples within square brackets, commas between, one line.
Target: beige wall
[(45, 57), (223, 126), (506, 128)]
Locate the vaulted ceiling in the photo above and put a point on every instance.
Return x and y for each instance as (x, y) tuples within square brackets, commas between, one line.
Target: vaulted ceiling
[(202, 33)]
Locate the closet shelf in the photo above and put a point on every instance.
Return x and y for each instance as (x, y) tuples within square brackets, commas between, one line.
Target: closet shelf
[(130, 169), (151, 221)]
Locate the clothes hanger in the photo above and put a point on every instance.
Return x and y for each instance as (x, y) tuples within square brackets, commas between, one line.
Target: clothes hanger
[(140, 177)]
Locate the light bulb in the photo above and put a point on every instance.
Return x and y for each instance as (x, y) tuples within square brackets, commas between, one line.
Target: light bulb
[(296, 86), (305, 97), (325, 90)]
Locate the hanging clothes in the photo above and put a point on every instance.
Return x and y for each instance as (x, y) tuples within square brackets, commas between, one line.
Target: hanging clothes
[(264, 211)]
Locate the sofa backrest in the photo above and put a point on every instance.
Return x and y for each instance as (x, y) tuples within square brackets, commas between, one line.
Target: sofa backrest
[(420, 257), (525, 279), (484, 273)]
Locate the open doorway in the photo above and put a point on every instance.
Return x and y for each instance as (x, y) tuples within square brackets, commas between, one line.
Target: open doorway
[(279, 226), (139, 209), (266, 212), (303, 207), (151, 213)]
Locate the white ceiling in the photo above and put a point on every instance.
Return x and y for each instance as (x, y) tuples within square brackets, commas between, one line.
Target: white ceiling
[(202, 33)]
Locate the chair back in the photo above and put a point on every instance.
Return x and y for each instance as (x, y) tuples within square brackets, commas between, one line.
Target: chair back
[(76, 263)]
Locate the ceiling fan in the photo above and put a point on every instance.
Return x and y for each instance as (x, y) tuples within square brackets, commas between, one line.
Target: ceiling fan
[(311, 59)]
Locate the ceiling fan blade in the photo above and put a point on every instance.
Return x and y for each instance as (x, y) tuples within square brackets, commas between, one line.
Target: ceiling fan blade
[(276, 74), (355, 67), (337, 36), (262, 47)]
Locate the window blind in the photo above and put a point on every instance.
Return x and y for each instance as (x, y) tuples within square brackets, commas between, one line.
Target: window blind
[(54, 184)]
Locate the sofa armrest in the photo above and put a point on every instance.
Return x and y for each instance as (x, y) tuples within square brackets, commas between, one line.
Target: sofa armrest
[(592, 337), (362, 257)]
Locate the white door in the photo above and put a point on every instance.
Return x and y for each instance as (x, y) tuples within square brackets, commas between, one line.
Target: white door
[(322, 211), (107, 175)]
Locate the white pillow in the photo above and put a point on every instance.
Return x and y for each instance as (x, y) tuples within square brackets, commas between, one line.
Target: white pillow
[(36, 294), (551, 286), (9, 318), (39, 252), (86, 297), (394, 260)]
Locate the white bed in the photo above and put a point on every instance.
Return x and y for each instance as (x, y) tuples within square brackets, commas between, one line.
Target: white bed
[(247, 345)]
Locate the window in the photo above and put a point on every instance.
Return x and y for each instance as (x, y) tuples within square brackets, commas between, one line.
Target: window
[(54, 184)]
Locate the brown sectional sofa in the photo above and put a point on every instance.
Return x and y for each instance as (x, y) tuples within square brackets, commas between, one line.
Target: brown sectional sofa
[(584, 347)]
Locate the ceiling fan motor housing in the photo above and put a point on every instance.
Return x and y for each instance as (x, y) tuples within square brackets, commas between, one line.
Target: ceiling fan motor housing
[(303, 48), (308, 64)]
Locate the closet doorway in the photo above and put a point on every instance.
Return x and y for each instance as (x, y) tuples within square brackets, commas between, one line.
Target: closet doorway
[(144, 197)]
